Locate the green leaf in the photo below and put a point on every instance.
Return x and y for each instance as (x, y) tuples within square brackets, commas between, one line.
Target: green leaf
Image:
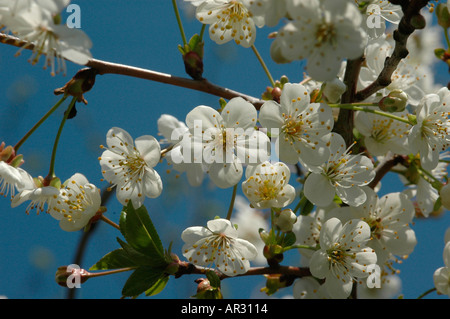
[(115, 259), (158, 286), (214, 280), (138, 230), (139, 258), (141, 280), (289, 239)]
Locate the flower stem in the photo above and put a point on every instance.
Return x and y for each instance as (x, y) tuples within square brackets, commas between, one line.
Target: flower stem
[(264, 66), (202, 31), (180, 25), (233, 197), (110, 222), (426, 293), (42, 120), (109, 272), (51, 172), (358, 107), (299, 246)]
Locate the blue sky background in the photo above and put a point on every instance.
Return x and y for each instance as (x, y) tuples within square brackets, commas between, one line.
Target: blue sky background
[(141, 33)]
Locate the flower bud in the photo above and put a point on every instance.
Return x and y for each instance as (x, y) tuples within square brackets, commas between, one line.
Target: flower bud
[(395, 101), (193, 65), (206, 291), (333, 90), (285, 220), (445, 196), (71, 276), (81, 83), (6, 153), (443, 15)]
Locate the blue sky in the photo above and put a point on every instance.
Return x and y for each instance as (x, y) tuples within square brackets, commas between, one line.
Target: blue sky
[(140, 33)]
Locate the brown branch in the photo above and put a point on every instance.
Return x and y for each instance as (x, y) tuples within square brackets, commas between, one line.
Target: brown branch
[(104, 67), (384, 168), (344, 124), (186, 268), (411, 20)]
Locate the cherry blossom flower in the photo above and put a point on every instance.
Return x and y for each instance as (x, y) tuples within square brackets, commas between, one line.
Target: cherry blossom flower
[(41, 198), (431, 134), (378, 13), (267, 185), (228, 20), (270, 11), (77, 203), (224, 141), (35, 23), (343, 174), (343, 256), (322, 32), (218, 243), (441, 276), (174, 131), (382, 134), (301, 126), (309, 288), (389, 218), (250, 221), (12, 179), (409, 77), (128, 166)]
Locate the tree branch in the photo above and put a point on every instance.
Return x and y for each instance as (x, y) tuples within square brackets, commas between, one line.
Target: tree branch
[(411, 20), (104, 67)]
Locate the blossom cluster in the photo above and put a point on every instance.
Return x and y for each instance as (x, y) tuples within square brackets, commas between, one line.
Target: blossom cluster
[(286, 151)]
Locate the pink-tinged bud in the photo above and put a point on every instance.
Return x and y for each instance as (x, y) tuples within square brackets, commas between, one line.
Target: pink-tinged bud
[(193, 65), (206, 291)]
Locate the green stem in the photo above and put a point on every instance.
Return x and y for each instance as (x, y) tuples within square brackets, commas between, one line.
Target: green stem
[(446, 37), (109, 272), (264, 66), (300, 246), (51, 172), (180, 25), (358, 107), (233, 197), (202, 31), (42, 120), (429, 177), (426, 293)]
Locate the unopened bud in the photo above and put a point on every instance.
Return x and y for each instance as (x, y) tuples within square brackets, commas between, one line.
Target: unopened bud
[(71, 276), (443, 15), (6, 153), (333, 90), (206, 291), (395, 101), (193, 65), (81, 83), (285, 220)]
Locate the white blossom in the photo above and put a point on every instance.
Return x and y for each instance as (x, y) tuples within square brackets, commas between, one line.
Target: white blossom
[(301, 127), (267, 185), (35, 23), (431, 134), (383, 134), (441, 276), (343, 175), (322, 32), (227, 140), (271, 11), (228, 20), (13, 179), (389, 218), (128, 166), (77, 202), (343, 256), (218, 243)]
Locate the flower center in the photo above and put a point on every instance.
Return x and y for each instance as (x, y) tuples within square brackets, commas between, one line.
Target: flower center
[(293, 127), (325, 34), (268, 190)]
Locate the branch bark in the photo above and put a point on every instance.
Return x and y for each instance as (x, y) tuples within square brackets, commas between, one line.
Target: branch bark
[(105, 67), (411, 21)]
